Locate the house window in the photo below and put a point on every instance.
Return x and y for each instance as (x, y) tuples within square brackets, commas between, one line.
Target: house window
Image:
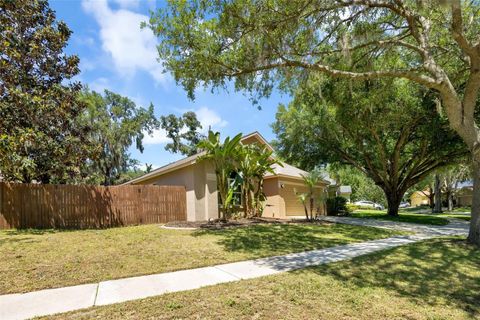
[(237, 193)]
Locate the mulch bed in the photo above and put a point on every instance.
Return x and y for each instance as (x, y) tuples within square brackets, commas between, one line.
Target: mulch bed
[(222, 224)]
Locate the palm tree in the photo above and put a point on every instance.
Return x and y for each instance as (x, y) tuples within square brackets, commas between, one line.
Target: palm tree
[(311, 180), (254, 163), (225, 157), (302, 197)]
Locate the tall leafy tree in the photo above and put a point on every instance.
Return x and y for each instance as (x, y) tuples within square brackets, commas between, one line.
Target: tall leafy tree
[(381, 128), (184, 132), (40, 138), (451, 177), (116, 124), (433, 43)]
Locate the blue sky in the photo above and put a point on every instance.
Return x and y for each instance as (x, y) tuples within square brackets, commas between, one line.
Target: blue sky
[(116, 54)]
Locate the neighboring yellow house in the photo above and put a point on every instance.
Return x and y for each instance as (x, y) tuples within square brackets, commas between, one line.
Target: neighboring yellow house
[(420, 198), (199, 179)]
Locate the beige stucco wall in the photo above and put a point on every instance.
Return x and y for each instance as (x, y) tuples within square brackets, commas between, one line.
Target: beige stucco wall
[(206, 195), (419, 199), (274, 206), (200, 184), (281, 201)]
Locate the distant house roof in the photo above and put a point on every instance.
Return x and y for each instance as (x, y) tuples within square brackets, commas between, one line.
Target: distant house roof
[(465, 184), (345, 189), (287, 170)]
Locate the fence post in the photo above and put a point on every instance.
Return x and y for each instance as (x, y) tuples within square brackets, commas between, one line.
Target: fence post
[(1, 204)]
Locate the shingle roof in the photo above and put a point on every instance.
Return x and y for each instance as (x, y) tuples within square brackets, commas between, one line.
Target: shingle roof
[(287, 170)]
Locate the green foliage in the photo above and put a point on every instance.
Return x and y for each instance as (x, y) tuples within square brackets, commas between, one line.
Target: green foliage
[(224, 156), (337, 205), (360, 124), (116, 123), (183, 131), (312, 199), (254, 162), (363, 188), (259, 43), (40, 138), (238, 166)]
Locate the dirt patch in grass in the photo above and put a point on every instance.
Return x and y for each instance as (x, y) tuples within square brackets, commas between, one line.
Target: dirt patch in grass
[(434, 279)]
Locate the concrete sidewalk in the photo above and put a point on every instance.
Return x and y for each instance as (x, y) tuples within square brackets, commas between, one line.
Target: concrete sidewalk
[(46, 302), (455, 227)]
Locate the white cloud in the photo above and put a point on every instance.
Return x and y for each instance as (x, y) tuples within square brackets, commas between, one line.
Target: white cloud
[(158, 136), (99, 85), (130, 47), (208, 117), (127, 3)]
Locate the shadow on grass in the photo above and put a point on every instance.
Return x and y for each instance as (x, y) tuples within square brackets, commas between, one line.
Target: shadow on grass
[(25, 235), (440, 271), (17, 232), (278, 239), (417, 218), (415, 209)]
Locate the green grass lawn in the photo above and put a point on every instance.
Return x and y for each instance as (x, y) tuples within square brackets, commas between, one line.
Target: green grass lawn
[(434, 279), (39, 259), (419, 218), (462, 209), (456, 216)]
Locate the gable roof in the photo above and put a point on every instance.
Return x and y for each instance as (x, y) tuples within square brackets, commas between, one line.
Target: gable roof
[(285, 171), (192, 160)]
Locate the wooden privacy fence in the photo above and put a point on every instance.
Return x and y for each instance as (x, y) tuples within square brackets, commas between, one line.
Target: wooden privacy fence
[(85, 206)]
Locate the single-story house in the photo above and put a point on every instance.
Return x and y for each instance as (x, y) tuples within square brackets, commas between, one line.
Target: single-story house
[(420, 198), (464, 194), (199, 179)]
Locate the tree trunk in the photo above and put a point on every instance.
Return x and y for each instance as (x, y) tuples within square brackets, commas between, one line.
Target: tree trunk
[(450, 200), (431, 198), (474, 233), (245, 195), (437, 208), (311, 206), (393, 200)]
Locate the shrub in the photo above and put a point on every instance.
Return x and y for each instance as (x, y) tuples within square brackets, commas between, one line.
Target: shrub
[(352, 207), (337, 206)]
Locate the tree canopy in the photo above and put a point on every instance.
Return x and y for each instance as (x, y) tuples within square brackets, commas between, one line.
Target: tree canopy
[(184, 132), (40, 138), (116, 123), (363, 188), (382, 128)]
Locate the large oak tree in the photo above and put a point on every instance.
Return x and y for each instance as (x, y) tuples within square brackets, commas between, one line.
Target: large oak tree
[(385, 129), (259, 42)]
